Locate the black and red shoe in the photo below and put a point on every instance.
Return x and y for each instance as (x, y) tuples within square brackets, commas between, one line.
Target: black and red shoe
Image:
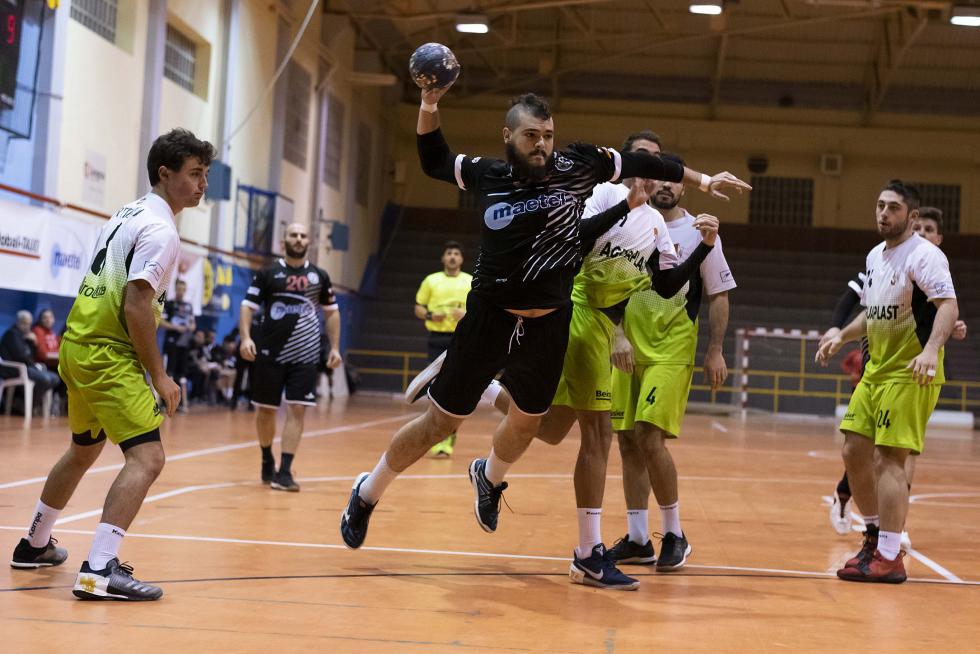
[(867, 549), (877, 569)]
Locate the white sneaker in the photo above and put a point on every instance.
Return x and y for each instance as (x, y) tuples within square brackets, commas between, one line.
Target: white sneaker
[(840, 515), (905, 544), (418, 386)]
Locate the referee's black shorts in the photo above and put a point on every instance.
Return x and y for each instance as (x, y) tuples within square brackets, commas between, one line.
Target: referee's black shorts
[(530, 351)]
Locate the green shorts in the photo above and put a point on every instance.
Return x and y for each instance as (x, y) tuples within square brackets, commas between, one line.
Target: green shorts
[(586, 382), (107, 391), (891, 414), (654, 393)]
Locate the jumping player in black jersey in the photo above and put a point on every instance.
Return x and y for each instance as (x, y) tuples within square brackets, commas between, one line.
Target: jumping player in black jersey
[(288, 350), (518, 311)]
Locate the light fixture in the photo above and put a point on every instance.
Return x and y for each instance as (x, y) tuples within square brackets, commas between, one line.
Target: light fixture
[(472, 23), (965, 16), (707, 8)]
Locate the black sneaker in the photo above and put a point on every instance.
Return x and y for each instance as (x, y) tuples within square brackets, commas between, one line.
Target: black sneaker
[(626, 551), (268, 471), (26, 556), (115, 582), (420, 384), (674, 551), (354, 520), (599, 570), (486, 507), (284, 481)]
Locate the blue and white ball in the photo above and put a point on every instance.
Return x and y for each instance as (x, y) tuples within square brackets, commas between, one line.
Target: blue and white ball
[(433, 66)]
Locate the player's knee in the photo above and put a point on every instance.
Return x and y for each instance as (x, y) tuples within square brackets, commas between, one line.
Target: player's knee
[(551, 437), (438, 424)]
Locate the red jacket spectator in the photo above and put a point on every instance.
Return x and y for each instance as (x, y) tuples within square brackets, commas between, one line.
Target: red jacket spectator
[(48, 341)]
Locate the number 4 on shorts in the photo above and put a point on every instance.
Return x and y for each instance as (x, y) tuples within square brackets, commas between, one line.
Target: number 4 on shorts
[(650, 396)]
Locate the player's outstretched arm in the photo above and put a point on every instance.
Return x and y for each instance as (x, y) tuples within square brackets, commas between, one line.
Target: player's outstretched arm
[(924, 366), (429, 110), (594, 226), (648, 166), (142, 328)]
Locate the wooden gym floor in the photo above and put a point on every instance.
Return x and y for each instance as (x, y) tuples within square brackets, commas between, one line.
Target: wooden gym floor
[(246, 569)]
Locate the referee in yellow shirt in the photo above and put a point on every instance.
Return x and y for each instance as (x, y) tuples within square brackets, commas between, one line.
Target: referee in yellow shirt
[(441, 303)]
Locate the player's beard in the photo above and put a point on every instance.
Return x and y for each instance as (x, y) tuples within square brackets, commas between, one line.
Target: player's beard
[(297, 252), (660, 202), (894, 230), (523, 169)]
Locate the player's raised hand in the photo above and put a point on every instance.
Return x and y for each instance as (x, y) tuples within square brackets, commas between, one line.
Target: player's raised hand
[(828, 348), (708, 226), (433, 95), (726, 182), (640, 192)]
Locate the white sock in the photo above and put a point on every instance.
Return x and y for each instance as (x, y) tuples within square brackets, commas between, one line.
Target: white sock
[(105, 545), (670, 519), (639, 525), (39, 533), (496, 468), (491, 392), (870, 520), (588, 531), (374, 486), (889, 542)]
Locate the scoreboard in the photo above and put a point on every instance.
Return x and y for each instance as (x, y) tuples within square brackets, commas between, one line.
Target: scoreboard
[(11, 21)]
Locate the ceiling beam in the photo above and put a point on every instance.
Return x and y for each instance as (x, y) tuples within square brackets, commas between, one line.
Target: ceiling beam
[(571, 13), (898, 33), (504, 8)]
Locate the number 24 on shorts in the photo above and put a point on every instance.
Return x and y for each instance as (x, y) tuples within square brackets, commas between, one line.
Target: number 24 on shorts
[(883, 419)]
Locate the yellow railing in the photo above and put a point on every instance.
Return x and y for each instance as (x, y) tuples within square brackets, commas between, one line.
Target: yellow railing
[(796, 386)]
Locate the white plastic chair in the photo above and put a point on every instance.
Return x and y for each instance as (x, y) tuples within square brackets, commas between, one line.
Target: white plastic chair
[(7, 386)]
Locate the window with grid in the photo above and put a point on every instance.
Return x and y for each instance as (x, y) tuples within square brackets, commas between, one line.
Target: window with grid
[(362, 183), (179, 58), (946, 198), (781, 201), (335, 142), (97, 15), (297, 115)]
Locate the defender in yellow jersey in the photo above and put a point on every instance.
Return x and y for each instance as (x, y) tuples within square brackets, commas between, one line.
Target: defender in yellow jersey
[(654, 357), (910, 311), (441, 303), (110, 341)]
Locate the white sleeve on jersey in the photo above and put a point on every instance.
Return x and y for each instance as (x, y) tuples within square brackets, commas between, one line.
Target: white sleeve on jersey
[(154, 254), (930, 272), (604, 196), (863, 293), (715, 273), (665, 244)]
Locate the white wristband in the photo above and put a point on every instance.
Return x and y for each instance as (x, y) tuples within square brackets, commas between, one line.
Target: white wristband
[(431, 108), (705, 183)]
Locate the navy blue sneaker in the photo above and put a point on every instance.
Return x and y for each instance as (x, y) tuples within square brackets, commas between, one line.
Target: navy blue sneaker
[(626, 551), (486, 507), (114, 582), (674, 551), (29, 557), (600, 571), (354, 521), (268, 471)]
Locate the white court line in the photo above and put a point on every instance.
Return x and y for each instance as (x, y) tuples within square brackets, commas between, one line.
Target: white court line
[(720, 427), (151, 498), (223, 448), (405, 550)]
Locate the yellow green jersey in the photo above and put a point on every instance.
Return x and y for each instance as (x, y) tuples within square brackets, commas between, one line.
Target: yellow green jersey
[(901, 285), (440, 293), (139, 242)]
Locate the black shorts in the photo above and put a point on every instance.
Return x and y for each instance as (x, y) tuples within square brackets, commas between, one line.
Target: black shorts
[(530, 351), (438, 343), (269, 379)]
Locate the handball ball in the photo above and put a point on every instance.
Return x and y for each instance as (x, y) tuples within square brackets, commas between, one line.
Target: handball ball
[(433, 66)]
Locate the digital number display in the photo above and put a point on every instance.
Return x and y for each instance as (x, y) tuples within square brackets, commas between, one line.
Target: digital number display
[(11, 18)]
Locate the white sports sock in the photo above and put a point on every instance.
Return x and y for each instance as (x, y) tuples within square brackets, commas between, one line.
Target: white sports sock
[(670, 519), (105, 545), (496, 468), (491, 392), (889, 542), (638, 521), (374, 486), (39, 533), (870, 520), (588, 531)]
